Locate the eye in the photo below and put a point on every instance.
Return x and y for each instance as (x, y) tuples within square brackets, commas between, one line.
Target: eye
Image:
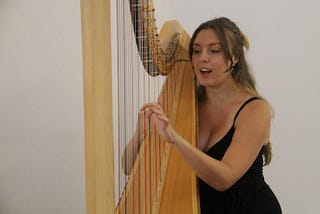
[(214, 51), (196, 51)]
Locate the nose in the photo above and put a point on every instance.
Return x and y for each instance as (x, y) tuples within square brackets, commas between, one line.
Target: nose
[(204, 57)]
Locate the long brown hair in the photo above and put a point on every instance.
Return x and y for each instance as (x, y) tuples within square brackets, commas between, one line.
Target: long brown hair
[(233, 43)]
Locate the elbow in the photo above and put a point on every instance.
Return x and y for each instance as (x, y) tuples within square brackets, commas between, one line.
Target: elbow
[(223, 185), (126, 167), (226, 180)]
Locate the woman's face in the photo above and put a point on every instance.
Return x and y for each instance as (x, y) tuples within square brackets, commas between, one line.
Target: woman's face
[(208, 59)]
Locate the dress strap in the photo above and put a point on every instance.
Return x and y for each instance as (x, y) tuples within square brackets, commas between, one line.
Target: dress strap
[(243, 105)]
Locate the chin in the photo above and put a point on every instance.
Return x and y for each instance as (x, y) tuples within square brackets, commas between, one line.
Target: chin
[(204, 83)]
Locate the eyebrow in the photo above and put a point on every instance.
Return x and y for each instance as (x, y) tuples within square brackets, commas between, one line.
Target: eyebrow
[(211, 44)]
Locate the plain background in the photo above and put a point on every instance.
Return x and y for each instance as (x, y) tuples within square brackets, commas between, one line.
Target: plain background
[(41, 108), (41, 96)]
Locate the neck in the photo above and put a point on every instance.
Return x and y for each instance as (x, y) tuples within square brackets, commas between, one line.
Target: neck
[(222, 95)]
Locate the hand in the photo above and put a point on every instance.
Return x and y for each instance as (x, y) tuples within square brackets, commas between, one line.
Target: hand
[(155, 112)]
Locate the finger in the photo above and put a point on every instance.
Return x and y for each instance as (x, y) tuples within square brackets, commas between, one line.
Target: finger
[(148, 112), (156, 109), (163, 118), (146, 105), (160, 117)]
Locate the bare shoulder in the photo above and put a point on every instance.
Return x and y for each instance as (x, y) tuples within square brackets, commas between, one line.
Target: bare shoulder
[(254, 122), (258, 105), (256, 110)]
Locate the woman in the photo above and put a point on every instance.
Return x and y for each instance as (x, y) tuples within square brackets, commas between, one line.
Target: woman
[(234, 125)]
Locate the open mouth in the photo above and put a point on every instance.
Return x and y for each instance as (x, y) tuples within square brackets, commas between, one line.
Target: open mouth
[(205, 70)]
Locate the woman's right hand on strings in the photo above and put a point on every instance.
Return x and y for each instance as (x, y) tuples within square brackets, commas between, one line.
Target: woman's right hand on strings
[(155, 112)]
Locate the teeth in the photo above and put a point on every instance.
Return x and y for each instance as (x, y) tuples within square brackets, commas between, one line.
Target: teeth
[(205, 70)]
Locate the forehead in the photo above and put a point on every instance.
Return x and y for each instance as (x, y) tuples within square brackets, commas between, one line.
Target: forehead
[(207, 37)]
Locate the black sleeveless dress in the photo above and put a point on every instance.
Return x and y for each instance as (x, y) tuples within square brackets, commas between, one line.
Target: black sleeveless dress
[(249, 195)]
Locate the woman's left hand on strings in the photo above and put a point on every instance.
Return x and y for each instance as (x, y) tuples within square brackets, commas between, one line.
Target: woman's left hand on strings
[(155, 112)]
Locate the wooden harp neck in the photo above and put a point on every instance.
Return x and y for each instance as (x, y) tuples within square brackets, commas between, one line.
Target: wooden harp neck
[(158, 51)]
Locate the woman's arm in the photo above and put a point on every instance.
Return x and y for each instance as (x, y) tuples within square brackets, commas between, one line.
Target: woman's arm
[(252, 132), (132, 148)]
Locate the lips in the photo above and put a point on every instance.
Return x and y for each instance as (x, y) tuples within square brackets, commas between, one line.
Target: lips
[(205, 70)]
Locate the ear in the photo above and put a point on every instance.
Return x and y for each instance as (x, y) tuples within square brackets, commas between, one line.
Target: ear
[(235, 60)]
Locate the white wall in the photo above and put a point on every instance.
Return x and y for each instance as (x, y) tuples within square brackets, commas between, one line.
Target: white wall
[(41, 104), (41, 108)]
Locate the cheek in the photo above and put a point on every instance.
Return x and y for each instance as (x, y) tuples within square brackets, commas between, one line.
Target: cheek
[(196, 63), (221, 63)]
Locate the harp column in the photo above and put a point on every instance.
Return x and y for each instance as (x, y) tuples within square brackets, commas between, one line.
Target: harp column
[(95, 18)]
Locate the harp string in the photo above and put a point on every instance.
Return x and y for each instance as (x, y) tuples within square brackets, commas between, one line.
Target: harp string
[(134, 88)]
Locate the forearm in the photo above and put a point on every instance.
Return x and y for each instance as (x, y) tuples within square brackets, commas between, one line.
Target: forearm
[(214, 172), (132, 148), (130, 153)]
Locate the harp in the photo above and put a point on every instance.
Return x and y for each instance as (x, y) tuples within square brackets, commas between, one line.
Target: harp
[(176, 187)]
